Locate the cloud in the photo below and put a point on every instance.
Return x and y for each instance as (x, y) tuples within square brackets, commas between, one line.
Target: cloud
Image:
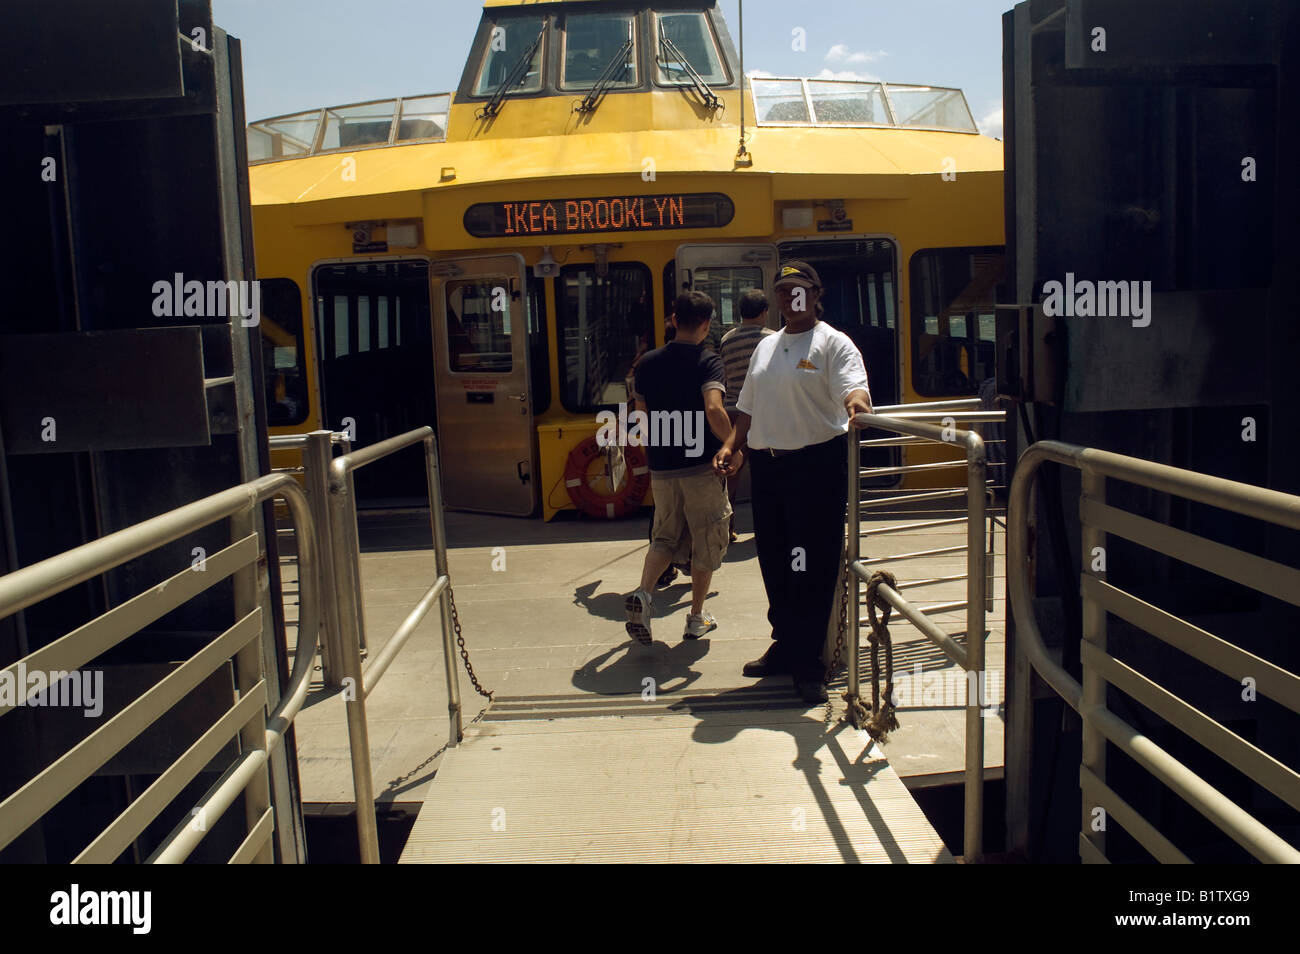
[(759, 74), (841, 54), (991, 125), (847, 75)]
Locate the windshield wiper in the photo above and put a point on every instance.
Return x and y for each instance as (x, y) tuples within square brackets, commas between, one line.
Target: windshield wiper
[(710, 98), (606, 79), (518, 73)]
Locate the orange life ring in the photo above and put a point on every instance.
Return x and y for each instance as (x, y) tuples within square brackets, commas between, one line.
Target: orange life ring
[(607, 506)]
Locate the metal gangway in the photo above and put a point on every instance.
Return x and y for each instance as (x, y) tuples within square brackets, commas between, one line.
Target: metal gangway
[(691, 780)]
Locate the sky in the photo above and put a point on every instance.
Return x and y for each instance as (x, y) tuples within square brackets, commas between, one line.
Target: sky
[(304, 54)]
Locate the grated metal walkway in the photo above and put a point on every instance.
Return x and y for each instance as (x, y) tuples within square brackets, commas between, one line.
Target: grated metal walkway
[(709, 782)]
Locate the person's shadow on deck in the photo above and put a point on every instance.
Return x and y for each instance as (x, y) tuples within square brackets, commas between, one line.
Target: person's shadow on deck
[(610, 605), (667, 667), (720, 722)]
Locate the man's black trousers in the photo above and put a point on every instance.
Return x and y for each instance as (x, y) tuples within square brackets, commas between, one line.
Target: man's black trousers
[(798, 502)]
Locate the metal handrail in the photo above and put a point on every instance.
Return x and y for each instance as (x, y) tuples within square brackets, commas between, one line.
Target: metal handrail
[(344, 563), (315, 456), (971, 656), (1089, 698), (29, 585)]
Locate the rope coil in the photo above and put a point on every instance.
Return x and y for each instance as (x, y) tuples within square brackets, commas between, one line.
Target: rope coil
[(883, 719)]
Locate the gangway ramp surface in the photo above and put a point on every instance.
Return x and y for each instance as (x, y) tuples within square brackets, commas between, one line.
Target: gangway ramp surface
[(713, 778)]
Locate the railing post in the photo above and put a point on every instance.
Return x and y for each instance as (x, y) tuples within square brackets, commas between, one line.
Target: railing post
[(347, 589), (976, 472), (436, 524), (1093, 563), (1017, 746), (854, 621), (317, 454)]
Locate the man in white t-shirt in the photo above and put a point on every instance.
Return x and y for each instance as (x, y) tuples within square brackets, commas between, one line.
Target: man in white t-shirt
[(804, 385)]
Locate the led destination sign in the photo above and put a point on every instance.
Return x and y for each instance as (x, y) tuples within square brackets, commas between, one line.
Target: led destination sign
[(621, 213)]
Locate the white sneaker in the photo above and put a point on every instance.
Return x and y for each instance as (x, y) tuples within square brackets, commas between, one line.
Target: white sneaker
[(697, 626), (638, 616)]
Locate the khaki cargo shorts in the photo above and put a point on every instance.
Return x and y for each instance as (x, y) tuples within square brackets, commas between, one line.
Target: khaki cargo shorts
[(691, 519)]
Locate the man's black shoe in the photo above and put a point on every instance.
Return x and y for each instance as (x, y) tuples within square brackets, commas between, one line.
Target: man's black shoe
[(811, 688), (666, 577), (769, 664)]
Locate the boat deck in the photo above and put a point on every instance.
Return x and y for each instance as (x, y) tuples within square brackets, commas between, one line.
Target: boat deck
[(581, 761)]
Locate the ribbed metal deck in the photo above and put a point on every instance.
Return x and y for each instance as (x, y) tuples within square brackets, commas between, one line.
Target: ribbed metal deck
[(717, 784)]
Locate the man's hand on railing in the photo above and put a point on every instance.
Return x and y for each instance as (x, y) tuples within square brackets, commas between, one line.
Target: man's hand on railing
[(859, 402)]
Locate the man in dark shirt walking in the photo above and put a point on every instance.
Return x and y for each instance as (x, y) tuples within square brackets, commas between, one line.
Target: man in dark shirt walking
[(680, 389)]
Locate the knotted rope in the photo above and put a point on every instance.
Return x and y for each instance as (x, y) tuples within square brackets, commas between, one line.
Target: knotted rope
[(883, 720)]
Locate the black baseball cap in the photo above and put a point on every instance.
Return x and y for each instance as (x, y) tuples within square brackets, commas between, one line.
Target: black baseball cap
[(797, 273)]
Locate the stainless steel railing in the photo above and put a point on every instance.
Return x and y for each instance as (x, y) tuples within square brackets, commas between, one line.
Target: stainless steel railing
[(314, 470), (912, 421), (1101, 670), (342, 567), (259, 734)]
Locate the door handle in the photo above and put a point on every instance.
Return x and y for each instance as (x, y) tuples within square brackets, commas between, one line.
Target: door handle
[(519, 470), (520, 397)]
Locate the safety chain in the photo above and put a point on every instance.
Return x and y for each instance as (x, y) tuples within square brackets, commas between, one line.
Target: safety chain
[(883, 719), (464, 653), (842, 625), (396, 783), (469, 668)]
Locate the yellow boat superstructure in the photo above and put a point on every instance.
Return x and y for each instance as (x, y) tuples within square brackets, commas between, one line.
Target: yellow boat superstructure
[(541, 186)]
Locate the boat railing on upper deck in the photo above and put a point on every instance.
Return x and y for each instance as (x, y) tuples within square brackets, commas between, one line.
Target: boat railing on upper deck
[(385, 122), (259, 735), (798, 101), (913, 423), (1101, 670)]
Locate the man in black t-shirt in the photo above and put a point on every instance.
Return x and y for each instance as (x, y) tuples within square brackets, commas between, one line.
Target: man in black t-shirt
[(680, 388)]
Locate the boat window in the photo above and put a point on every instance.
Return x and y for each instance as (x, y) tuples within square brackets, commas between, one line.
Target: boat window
[(780, 101), (424, 117), (603, 322), (691, 34), (284, 137), (591, 43), (953, 318), (479, 325), (507, 42), (928, 106), (284, 364), (725, 285), (838, 102), (349, 127)]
